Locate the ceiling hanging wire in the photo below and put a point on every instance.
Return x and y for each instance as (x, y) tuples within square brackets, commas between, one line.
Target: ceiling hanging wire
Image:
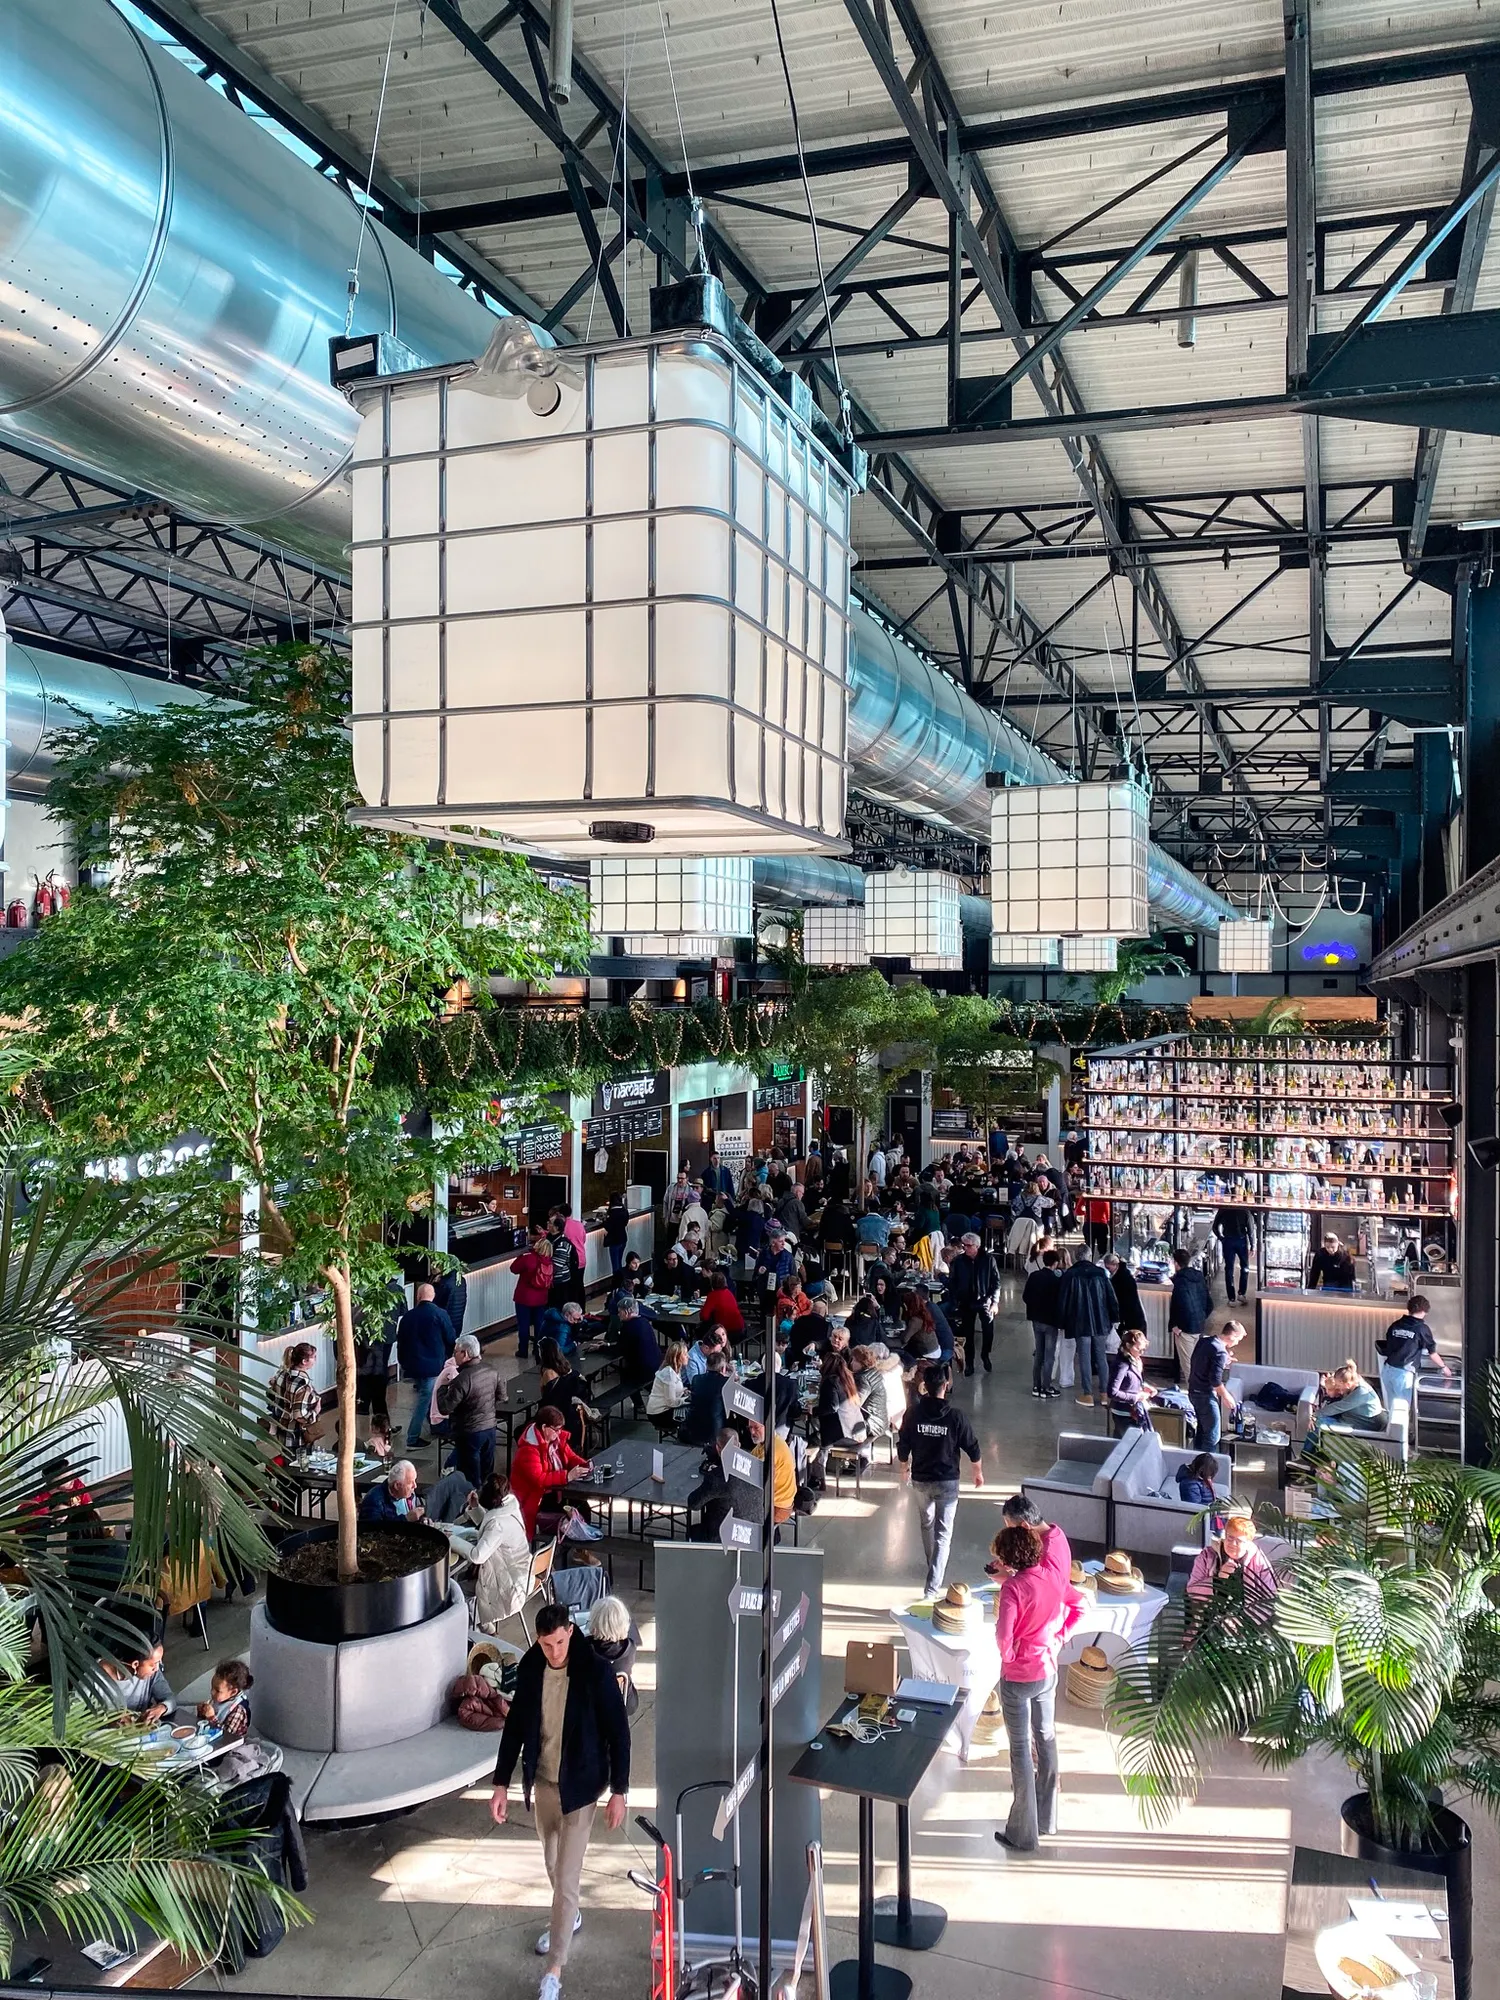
[(846, 417), (619, 161), (364, 207)]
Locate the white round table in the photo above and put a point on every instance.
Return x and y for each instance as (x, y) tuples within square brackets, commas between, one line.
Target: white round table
[(968, 1659), (1114, 1624)]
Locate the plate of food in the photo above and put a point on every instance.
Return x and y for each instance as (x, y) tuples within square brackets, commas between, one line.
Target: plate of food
[(1363, 1964)]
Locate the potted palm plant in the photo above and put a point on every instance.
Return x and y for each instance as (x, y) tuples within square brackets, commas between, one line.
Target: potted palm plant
[(1382, 1646), (87, 1849)]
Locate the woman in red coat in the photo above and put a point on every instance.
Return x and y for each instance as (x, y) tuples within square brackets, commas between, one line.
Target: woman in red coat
[(542, 1461), (532, 1271), (722, 1308)]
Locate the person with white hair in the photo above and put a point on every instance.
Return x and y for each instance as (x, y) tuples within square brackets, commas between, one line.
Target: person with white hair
[(467, 1400), (614, 1637), (393, 1499)]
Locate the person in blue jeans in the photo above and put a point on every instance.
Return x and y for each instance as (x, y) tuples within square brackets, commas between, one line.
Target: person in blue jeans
[(1405, 1346), (424, 1340), (1206, 1390)]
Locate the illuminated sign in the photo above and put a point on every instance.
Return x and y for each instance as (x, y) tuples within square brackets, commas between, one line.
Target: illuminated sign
[(1330, 951)]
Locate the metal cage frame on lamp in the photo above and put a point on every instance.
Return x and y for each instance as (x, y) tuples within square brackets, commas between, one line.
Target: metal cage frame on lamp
[(1089, 954), (600, 593), (672, 905), (914, 913), (834, 934), (1039, 953), (1245, 944), (1070, 860)]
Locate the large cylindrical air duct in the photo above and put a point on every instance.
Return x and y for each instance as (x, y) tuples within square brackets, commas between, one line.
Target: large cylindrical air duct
[(173, 276)]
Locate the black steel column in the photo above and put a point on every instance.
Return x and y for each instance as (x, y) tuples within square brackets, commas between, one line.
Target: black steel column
[(1479, 1265), (1479, 1247)]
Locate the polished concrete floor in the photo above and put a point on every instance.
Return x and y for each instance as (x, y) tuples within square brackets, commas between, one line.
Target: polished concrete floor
[(439, 1903)]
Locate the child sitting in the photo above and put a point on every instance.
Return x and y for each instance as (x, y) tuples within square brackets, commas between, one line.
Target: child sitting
[(378, 1443), (229, 1703)]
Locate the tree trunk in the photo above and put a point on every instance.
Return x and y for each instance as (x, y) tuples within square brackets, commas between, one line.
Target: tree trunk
[(343, 1321)]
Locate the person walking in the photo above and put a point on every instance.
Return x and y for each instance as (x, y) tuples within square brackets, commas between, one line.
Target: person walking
[(467, 1400), (1402, 1347), (424, 1340), (533, 1276), (973, 1295), (1086, 1310), (1205, 1383), (932, 1437), (568, 1731), (567, 1262), (1038, 1608), (1187, 1310), (1040, 1304), (1234, 1228)]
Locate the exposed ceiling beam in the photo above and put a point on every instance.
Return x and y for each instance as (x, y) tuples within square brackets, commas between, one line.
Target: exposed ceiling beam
[(1083, 452)]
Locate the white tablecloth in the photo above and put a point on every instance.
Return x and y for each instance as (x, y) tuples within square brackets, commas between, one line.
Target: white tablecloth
[(1115, 1624), (962, 1659)]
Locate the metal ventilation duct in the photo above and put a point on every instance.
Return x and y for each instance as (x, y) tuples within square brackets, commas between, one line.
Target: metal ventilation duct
[(174, 275)]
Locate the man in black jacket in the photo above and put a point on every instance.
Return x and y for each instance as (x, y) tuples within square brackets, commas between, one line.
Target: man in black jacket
[(973, 1294), (567, 1729), (1039, 1301), (1188, 1311), (467, 1400), (932, 1436)]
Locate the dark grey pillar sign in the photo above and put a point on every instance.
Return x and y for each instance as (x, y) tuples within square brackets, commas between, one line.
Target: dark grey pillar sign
[(1479, 1266)]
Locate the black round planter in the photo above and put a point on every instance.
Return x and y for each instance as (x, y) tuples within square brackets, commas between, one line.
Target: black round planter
[(1450, 1857), (329, 1612)]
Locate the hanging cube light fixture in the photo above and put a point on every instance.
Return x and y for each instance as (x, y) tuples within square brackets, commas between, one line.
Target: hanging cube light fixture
[(913, 913), (1089, 954), (1245, 945), (601, 596), (1023, 951), (669, 905), (1070, 860), (834, 934)]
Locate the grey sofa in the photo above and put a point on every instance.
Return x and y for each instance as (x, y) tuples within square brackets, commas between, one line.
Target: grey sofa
[(1149, 1518), (1074, 1492)]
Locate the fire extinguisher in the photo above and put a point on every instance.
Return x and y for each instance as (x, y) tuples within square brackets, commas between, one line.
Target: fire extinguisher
[(43, 901), (62, 894), (17, 916)]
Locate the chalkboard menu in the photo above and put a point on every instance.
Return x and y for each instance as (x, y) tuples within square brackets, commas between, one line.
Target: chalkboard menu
[(617, 1126)]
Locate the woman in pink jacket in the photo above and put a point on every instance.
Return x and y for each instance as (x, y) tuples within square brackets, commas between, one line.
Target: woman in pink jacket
[(1038, 1609)]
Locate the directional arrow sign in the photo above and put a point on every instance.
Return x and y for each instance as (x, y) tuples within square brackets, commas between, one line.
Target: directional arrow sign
[(731, 1802), (743, 1402), (789, 1673), (737, 1534), (746, 1599), (789, 1626), (739, 1464)]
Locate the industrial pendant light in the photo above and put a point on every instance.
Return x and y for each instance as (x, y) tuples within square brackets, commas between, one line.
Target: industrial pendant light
[(672, 905), (913, 913), (1069, 860), (834, 934), (601, 594)]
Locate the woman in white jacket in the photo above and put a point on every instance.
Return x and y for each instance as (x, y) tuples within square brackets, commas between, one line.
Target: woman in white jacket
[(500, 1553), (668, 1390)]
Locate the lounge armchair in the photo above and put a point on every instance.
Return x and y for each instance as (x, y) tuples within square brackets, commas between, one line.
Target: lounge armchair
[(1075, 1492), (1149, 1517)]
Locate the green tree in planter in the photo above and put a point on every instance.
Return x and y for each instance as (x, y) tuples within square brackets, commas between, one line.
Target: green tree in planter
[(1383, 1646), (988, 1070), (841, 1026), (244, 970)]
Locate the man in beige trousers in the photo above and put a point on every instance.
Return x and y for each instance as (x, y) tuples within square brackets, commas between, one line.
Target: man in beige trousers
[(567, 1729)]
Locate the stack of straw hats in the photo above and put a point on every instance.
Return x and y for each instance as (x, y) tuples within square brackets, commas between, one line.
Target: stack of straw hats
[(1119, 1576), (1090, 1679), (956, 1610), (991, 1722)]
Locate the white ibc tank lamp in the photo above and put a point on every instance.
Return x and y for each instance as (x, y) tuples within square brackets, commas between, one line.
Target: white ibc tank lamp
[(1023, 951), (1070, 860), (664, 905), (834, 935), (1245, 945), (913, 913), (1089, 954), (600, 598)]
